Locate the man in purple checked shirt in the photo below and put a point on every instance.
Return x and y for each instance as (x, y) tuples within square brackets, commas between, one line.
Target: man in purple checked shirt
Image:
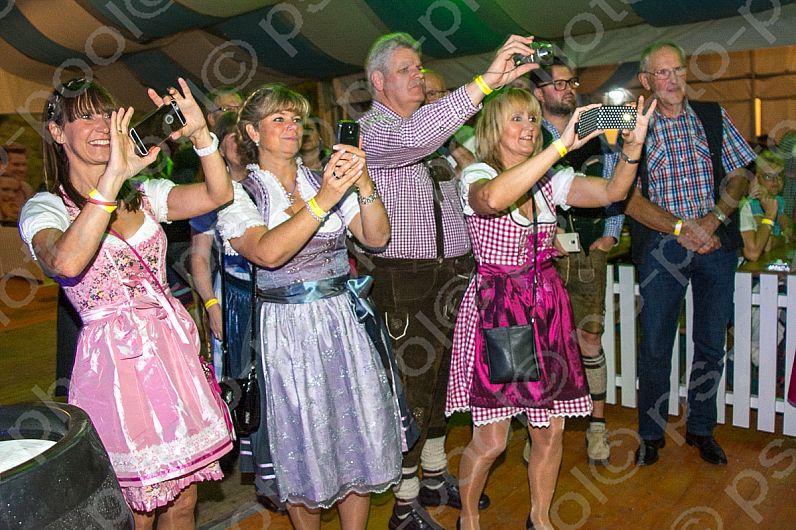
[(422, 273)]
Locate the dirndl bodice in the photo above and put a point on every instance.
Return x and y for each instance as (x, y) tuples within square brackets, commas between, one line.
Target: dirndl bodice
[(508, 254), (137, 371)]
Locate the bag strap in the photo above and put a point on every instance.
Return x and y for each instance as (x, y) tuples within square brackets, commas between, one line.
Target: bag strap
[(535, 253), (117, 235), (224, 323)]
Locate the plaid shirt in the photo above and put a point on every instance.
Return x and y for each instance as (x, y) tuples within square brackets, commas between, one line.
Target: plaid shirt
[(395, 149), (613, 223), (678, 162)]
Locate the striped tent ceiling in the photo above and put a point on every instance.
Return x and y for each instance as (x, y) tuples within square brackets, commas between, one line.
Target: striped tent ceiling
[(132, 44)]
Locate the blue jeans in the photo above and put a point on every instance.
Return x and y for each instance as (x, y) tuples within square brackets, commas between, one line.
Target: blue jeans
[(664, 276)]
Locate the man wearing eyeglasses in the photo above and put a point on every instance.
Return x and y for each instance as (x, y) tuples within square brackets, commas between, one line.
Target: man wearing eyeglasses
[(583, 272), (685, 230)]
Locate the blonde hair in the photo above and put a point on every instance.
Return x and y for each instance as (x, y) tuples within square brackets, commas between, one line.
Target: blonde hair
[(263, 102), (492, 119)]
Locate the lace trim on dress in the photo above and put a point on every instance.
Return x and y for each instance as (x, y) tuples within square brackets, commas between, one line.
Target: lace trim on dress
[(177, 450), (360, 489)]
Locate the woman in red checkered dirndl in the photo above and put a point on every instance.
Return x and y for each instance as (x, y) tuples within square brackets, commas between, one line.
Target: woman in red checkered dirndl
[(509, 201)]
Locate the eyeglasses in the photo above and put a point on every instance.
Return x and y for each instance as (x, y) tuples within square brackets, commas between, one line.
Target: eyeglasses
[(561, 84), (664, 73)]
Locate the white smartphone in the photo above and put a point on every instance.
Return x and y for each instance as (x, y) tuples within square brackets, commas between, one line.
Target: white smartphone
[(569, 241)]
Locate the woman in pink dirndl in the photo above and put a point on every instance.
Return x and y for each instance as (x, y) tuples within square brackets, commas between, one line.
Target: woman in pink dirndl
[(512, 239), (137, 371)]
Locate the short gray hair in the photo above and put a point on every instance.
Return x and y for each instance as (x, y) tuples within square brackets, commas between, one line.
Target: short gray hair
[(381, 50), (644, 62)]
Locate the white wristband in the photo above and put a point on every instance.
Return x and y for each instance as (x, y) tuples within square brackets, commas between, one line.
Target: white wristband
[(210, 149)]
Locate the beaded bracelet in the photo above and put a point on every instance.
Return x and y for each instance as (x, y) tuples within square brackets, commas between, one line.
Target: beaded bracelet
[(369, 199), (95, 197), (210, 303)]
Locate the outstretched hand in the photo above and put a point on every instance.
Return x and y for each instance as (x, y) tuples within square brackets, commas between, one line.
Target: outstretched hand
[(570, 138), (341, 172), (639, 134), (502, 70), (123, 162), (194, 117)]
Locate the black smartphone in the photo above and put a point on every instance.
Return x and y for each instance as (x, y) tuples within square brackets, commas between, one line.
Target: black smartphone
[(348, 132), (156, 127), (607, 117)]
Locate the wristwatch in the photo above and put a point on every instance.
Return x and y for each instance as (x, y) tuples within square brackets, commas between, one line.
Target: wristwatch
[(721, 216), (627, 159)]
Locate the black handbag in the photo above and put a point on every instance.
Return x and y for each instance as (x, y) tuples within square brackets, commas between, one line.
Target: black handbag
[(511, 350), (242, 395)]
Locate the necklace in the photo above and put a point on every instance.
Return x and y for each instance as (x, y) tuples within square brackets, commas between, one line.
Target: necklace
[(288, 194)]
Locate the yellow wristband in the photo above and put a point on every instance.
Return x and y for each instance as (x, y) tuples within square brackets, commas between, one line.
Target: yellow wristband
[(560, 147), (678, 226), (210, 303), (767, 221), (482, 85), (95, 197), (318, 213)]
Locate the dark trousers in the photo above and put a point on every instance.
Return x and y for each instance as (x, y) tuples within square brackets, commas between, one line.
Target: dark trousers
[(663, 277), (419, 300)]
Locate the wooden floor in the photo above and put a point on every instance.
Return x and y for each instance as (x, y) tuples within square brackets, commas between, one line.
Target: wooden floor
[(756, 490)]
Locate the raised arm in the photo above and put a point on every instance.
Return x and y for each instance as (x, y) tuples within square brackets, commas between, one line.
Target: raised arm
[(590, 192), (273, 248), (67, 253), (195, 199), (493, 196), (371, 226)]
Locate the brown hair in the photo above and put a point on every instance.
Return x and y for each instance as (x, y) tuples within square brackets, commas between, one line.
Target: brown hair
[(263, 102), (492, 118), (65, 104)]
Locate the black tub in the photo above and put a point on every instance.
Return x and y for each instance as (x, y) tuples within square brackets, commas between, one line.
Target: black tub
[(70, 484)]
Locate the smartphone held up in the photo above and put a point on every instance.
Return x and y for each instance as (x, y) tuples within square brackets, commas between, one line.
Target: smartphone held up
[(347, 133), (156, 127), (606, 117)]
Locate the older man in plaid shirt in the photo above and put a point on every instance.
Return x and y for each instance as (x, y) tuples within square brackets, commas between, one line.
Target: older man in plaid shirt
[(685, 231), (421, 275)]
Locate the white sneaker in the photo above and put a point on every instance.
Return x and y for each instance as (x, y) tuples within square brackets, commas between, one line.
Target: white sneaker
[(597, 448)]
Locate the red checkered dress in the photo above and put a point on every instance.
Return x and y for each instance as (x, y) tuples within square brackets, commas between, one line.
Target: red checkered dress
[(504, 241)]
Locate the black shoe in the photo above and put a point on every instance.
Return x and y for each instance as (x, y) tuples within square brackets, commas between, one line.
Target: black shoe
[(647, 452), (447, 494), (709, 449), (415, 518)]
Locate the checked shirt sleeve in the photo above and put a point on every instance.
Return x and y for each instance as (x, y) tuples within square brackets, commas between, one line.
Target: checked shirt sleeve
[(392, 141)]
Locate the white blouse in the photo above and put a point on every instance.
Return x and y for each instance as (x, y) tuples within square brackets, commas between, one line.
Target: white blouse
[(47, 210), (562, 181), (243, 214)]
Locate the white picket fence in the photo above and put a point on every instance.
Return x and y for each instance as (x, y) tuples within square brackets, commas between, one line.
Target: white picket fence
[(740, 397)]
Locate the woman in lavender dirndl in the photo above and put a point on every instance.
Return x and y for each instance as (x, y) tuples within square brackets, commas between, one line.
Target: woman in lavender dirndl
[(509, 202), (331, 430)]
